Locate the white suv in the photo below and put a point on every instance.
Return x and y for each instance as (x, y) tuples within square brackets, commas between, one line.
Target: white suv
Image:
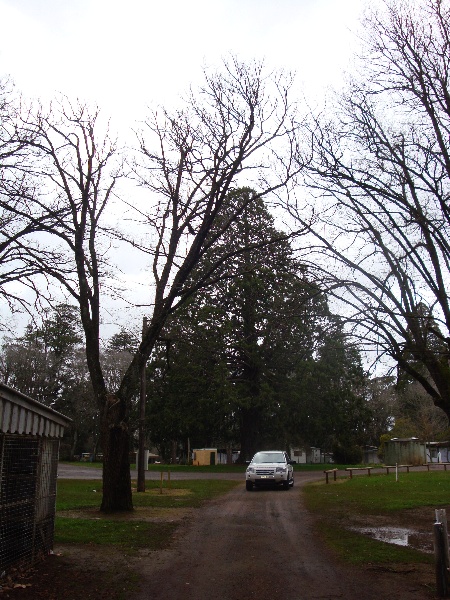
[(271, 467)]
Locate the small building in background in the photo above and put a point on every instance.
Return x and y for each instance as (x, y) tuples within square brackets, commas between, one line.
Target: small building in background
[(298, 455), (225, 456), (30, 434), (150, 458), (204, 456), (314, 456), (370, 455), (326, 458), (438, 452), (310, 455), (404, 451)]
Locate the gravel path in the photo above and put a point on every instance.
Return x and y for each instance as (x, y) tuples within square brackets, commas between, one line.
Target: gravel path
[(261, 544)]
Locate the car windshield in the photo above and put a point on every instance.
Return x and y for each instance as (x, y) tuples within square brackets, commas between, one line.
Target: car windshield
[(269, 457)]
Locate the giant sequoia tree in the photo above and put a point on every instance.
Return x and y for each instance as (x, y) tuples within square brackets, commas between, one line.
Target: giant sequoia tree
[(249, 363), (379, 177)]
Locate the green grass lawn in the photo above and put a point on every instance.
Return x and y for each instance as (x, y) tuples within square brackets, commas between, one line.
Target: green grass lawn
[(85, 495), (128, 536), (74, 494), (381, 493), (375, 495)]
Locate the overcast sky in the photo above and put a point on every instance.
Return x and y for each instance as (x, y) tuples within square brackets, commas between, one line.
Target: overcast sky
[(127, 55)]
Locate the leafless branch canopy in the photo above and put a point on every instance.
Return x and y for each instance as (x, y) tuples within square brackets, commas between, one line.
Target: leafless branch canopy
[(239, 129), (379, 176)]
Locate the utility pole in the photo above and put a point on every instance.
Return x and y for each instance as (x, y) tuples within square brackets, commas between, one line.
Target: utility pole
[(141, 442)]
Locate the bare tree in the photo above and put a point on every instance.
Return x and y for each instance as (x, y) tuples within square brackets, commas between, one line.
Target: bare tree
[(24, 211), (239, 127), (379, 176), (78, 166)]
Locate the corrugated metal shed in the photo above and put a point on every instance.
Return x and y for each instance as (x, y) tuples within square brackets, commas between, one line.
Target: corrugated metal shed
[(23, 415), (406, 451)]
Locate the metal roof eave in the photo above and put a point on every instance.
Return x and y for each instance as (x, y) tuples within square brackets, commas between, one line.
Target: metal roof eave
[(23, 415)]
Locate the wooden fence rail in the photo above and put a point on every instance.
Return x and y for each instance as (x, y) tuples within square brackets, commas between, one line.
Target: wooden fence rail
[(437, 464), (387, 468), (327, 473)]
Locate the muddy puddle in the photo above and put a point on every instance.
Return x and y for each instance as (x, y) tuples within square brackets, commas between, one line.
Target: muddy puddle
[(399, 536)]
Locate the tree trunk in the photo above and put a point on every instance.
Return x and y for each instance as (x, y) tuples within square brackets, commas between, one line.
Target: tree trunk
[(249, 433), (73, 444), (116, 458), (229, 454), (251, 366), (174, 448)]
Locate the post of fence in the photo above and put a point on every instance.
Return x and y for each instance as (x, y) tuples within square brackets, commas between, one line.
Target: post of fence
[(441, 517), (441, 553)]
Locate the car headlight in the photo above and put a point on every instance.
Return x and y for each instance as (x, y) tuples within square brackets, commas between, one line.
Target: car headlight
[(280, 470), (250, 469)]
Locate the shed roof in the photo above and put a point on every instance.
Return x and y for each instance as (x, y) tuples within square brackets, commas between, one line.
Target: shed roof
[(21, 414)]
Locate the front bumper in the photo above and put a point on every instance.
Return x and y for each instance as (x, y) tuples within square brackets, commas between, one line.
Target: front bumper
[(266, 477)]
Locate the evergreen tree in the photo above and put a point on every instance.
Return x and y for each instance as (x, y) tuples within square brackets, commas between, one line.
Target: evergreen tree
[(239, 360)]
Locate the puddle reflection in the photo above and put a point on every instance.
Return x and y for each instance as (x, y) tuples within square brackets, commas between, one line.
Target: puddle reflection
[(399, 536)]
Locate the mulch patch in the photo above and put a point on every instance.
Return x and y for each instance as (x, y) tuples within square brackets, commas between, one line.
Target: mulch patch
[(61, 578)]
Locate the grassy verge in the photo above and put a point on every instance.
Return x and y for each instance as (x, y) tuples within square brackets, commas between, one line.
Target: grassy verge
[(127, 531), (377, 495), (128, 536), (381, 493)]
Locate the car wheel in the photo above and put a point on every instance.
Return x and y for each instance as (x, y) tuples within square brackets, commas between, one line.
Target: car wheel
[(248, 486)]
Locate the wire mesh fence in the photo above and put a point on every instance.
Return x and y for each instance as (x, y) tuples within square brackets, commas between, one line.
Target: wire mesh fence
[(28, 471)]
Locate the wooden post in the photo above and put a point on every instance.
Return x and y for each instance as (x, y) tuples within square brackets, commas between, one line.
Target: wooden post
[(334, 473), (441, 517), (441, 560), (326, 476), (142, 398)]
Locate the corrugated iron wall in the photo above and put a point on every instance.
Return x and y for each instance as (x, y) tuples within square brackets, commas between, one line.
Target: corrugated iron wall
[(28, 471), (404, 452)]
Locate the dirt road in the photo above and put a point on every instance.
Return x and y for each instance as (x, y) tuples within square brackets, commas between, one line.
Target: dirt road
[(78, 471), (261, 544)]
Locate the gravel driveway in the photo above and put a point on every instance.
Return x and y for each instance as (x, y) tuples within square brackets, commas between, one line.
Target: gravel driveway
[(262, 545)]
